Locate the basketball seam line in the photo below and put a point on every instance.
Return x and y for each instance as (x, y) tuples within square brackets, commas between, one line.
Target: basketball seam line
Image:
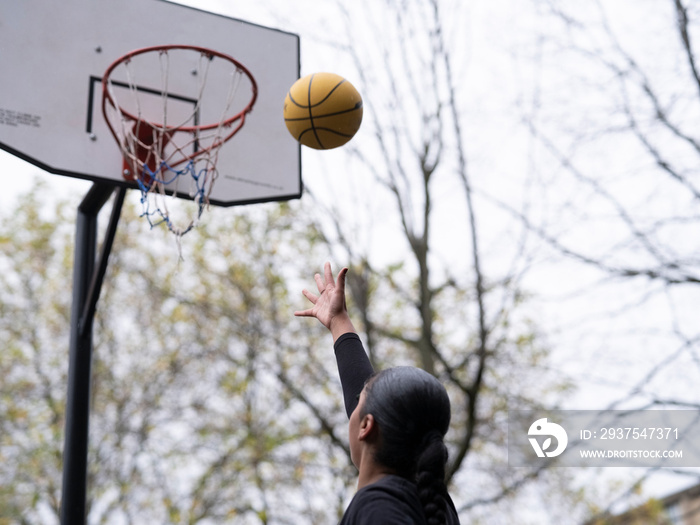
[(358, 106), (309, 106), (311, 117), (329, 130)]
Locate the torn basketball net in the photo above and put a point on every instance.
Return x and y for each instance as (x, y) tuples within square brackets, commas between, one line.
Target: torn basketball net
[(154, 102)]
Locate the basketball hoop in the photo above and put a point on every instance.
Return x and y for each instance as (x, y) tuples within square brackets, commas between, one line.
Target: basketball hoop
[(155, 118)]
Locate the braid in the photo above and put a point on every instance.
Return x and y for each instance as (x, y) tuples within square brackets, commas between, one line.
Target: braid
[(412, 411), (430, 479)]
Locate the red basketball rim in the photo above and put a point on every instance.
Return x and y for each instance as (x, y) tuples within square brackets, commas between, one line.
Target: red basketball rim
[(107, 97)]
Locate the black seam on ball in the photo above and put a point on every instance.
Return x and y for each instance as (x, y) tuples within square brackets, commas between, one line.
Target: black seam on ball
[(309, 105), (328, 130), (311, 117), (357, 106)]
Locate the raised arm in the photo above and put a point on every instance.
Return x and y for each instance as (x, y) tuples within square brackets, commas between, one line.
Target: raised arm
[(330, 309)]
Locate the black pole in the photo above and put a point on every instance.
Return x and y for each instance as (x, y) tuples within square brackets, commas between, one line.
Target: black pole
[(98, 275), (73, 506)]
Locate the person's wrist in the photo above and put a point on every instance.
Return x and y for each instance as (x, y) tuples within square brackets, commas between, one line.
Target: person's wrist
[(340, 324)]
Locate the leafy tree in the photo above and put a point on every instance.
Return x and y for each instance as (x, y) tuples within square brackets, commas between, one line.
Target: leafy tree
[(211, 403), (34, 316)]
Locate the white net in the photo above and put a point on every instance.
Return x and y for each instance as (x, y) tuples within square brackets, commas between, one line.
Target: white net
[(171, 109)]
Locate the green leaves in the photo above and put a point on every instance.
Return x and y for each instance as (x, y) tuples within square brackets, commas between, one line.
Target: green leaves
[(190, 420)]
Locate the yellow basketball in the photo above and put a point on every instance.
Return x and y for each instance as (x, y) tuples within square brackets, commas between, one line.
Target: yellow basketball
[(323, 110)]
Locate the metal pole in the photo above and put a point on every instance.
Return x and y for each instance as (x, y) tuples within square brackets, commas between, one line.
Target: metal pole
[(73, 506), (98, 275)]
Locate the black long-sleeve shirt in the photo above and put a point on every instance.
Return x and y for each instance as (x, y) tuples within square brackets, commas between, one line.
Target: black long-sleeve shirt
[(354, 368)]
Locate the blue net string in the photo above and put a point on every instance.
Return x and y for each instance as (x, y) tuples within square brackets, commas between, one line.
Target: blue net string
[(163, 176)]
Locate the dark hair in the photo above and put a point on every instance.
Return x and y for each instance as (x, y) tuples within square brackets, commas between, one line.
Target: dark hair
[(412, 410)]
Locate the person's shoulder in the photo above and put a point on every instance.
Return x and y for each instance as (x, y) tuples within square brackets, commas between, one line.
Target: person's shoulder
[(390, 501), (452, 514)]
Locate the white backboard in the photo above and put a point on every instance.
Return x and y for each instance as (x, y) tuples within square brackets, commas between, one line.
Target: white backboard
[(53, 56)]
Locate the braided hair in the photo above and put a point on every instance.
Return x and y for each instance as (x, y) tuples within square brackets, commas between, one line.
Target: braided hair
[(412, 410)]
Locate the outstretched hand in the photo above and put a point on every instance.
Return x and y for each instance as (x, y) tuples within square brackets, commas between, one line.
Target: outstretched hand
[(329, 306)]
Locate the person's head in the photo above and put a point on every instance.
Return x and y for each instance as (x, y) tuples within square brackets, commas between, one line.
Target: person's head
[(411, 410)]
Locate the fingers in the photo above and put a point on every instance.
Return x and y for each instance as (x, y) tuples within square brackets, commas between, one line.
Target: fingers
[(311, 297), (309, 312), (328, 274), (319, 283), (340, 283), (327, 279), (322, 284)]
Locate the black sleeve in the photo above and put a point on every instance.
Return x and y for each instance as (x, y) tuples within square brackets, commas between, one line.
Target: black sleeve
[(353, 366)]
